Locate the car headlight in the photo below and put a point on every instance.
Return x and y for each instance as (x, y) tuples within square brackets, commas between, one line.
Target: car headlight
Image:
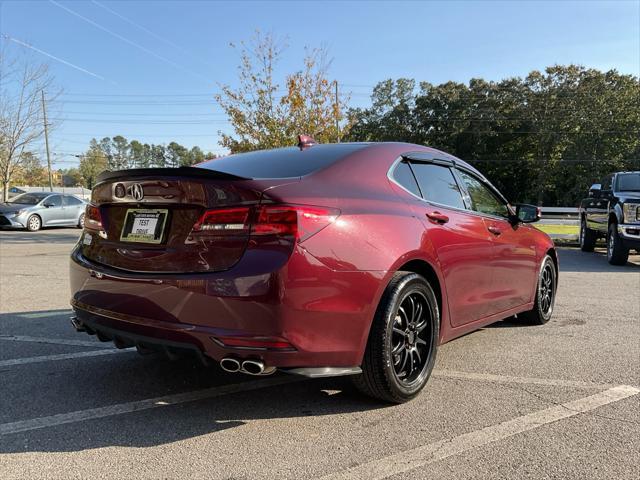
[(631, 212), (17, 213)]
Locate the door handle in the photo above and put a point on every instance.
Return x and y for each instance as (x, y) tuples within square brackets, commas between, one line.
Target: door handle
[(495, 230), (437, 217)]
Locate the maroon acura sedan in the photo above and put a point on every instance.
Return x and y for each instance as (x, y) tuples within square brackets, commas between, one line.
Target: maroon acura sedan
[(319, 260)]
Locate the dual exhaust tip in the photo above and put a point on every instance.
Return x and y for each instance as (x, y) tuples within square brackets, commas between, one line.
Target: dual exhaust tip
[(250, 367)]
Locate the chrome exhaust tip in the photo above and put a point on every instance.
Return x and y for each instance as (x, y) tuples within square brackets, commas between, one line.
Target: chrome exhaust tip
[(256, 367), (77, 324), (230, 365)]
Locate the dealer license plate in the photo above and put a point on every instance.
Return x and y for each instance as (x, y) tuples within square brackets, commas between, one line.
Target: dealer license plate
[(144, 225)]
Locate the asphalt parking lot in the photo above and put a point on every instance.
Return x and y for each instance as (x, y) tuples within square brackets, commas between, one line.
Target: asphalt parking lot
[(508, 401)]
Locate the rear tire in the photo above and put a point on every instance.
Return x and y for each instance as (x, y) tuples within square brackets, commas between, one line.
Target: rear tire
[(545, 294), (81, 221), (34, 223), (402, 345), (617, 253), (588, 237)]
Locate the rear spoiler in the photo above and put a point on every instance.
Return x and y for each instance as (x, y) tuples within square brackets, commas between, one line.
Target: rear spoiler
[(142, 173)]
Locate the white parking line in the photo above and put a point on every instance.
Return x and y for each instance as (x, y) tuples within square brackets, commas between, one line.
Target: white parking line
[(119, 409), (61, 356), (488, 377), (56, 341), (408, 460), (46, 313)]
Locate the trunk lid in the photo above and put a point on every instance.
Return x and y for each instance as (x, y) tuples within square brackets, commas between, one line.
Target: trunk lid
[(151, 220)]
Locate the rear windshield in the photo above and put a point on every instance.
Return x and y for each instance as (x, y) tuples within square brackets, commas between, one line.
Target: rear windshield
[(629, 182), (282, 162)]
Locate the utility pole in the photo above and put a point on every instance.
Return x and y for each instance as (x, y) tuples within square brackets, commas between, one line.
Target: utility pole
[(46, 140), (337, 111)]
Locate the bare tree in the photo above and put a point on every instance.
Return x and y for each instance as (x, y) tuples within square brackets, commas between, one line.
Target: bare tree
[(266, 114), (21, 119)]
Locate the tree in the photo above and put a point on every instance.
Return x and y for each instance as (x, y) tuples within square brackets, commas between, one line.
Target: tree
[(120, 148), (30, 171), (92, 163), (21, 121), (139, 154), (260, 117), (543, 138), (176, 155), (71, 177)]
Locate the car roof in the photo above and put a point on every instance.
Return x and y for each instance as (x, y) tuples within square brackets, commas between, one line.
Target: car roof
[(323, 156)]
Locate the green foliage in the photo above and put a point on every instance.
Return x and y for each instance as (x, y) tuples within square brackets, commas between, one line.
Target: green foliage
[(542, 139), (262, 116), (118, 153), (92, 163)]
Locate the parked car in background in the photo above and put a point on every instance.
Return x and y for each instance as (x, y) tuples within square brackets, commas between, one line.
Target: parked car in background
[(42, 209), (612, 211), (14, 191), (319, 260)]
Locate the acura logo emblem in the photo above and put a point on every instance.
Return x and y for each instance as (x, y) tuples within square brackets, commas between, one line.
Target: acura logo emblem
[(137, 192)]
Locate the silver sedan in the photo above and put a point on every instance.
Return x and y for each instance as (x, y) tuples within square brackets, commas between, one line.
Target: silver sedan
[(42, 209)]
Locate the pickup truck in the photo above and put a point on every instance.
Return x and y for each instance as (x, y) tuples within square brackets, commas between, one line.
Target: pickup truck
[(612, 211)]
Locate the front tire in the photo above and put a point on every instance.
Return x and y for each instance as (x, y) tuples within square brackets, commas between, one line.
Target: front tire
[(617, 254), (588, 237), (545, 294), (34, 223), (402, 345)]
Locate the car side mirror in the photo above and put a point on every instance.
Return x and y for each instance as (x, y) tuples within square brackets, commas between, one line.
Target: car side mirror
[(595, 189), (526, 213), (47, 205)]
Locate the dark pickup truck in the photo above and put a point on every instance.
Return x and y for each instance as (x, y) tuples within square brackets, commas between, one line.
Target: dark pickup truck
[(612, 211)]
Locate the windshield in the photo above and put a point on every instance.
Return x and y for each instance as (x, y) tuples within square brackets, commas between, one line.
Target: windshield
[(629, 182), (29, 198)]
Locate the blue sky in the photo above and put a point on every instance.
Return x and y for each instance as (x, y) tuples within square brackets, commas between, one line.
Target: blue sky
[(161, 64)]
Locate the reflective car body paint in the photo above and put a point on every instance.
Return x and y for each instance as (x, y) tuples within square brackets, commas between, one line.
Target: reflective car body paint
[(321, 294)]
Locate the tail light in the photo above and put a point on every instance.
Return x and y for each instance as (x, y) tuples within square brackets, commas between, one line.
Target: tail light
[(92, 218), (298, 221), (227, 220)]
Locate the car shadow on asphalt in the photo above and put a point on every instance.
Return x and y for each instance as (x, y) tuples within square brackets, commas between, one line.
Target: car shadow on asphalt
[(316, 399), (575, 260), (50, 388), (51, 235)]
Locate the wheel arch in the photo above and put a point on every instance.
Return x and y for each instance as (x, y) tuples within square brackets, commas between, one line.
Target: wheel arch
[(615, 216), (35, 215), (424, 268), (554, 256)]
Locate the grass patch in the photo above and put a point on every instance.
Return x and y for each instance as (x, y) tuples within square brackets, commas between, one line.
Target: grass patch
[(559, 229)]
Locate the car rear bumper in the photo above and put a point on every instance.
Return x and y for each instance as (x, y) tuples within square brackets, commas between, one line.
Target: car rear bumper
[(325, 315)]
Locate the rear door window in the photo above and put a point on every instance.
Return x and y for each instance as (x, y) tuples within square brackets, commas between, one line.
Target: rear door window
[(71, 201), (54, 200), (483, 200), (438, 184)]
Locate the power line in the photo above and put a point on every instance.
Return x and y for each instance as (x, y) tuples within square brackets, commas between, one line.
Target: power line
[(149, 32), (126, 40), (142, 121), (159, 114)]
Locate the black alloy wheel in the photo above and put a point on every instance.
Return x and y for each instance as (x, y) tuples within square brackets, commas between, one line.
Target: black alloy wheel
[(403, 340), (410, 337), (545, 294)]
